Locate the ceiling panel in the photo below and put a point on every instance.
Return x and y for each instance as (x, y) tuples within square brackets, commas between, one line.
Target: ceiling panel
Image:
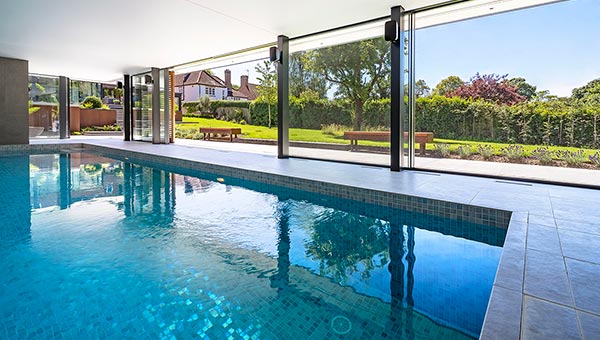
[(101, 40)]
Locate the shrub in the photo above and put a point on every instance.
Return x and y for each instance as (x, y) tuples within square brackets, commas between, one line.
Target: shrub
[(543, 154), (486, 151), (513, 152), (595, 158), (571, 157), (335, 129), (91, 102), (443, 148), (464, 151), (233, 114)]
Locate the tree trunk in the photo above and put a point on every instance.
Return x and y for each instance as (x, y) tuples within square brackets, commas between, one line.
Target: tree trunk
[(358, 111), (269, 110), (595, 131)]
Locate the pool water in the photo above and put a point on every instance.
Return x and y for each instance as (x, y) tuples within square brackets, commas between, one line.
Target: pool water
[(95, 247)]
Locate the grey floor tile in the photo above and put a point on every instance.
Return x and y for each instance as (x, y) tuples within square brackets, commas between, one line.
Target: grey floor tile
[(503, 317), (514, 202), (543, 238), (545, 321), (580, 246), (511, 268), (582, 227), (584, 277), (590, 325), (546, 277), (547, 220)]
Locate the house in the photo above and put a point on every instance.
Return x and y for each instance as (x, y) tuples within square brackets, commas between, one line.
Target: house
[(194, 85), (246, 91), (198, 84)]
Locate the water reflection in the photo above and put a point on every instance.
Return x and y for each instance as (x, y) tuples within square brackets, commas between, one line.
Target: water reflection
[(416, 268)]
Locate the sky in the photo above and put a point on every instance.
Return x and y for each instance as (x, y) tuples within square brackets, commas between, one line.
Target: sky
[(555, 47)]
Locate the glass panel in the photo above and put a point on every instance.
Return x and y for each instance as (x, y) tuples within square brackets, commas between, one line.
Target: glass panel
[(340, 97), (508, 101), (142, 107), (234, 93), (43, 107)]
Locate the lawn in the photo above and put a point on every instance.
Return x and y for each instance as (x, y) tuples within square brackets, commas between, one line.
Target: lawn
[(307, 135)]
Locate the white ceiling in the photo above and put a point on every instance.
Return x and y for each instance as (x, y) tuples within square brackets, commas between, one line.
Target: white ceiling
[(101, 40)]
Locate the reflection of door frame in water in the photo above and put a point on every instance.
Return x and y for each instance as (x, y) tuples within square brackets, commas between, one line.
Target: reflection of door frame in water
[(65, 185), (397, 269), (281, 279), (163, 201)]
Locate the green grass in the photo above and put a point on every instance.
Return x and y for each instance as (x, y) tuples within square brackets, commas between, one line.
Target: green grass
[(308, 135)]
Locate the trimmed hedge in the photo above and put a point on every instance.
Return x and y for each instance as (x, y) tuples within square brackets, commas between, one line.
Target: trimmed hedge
[(545, 123), (304, 113)]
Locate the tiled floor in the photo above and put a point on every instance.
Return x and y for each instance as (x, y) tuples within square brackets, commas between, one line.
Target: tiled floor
[(547, 281)]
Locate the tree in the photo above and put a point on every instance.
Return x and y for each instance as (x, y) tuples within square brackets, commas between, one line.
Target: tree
[(421, 89), (523, 87), (267, 87), (447, 86), (355, 69), (593, 87), (303, 78), (489, 87)]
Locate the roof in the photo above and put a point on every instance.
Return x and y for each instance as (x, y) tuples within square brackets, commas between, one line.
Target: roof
[(198, 78), (238, 94), (249, 91)]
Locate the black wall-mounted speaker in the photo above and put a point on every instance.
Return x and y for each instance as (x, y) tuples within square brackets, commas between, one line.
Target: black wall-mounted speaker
[(274, 54), (119, 84), (148, 79), (391, 31)]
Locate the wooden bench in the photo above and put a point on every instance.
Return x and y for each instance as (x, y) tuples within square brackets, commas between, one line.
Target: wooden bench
[(213, 131), (421, 138)]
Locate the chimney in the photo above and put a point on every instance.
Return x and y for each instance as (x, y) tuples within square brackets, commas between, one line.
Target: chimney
[(228, 79), (244, 82)]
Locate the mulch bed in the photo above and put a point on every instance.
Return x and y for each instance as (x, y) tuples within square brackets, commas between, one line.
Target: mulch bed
[(525, 160)]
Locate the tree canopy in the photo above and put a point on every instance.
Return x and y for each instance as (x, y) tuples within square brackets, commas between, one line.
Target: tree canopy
[(591, 88), (267, 89), (489, 87), (355, 69), (522, 87), (304, 80), (447, 86)]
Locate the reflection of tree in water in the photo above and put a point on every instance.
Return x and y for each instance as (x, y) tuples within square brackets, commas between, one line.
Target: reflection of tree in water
[(346, 243), (193, 184)]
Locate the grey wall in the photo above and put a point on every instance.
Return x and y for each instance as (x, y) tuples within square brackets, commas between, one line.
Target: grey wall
[(14, 117)]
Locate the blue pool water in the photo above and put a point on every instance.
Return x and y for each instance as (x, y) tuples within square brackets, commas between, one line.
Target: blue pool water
[(94, 247)]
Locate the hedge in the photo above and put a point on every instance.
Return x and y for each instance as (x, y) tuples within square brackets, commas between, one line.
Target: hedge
[(548, 123)]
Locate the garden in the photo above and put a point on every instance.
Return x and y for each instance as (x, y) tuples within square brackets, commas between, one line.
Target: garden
[(346, 88)]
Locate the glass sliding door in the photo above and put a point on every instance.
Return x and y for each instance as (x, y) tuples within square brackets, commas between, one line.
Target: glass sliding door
[(43, 106), (142, 107), (339, 96), (507, 95)]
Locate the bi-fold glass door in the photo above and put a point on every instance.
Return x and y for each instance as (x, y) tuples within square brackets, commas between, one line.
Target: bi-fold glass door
[(142, 107)]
